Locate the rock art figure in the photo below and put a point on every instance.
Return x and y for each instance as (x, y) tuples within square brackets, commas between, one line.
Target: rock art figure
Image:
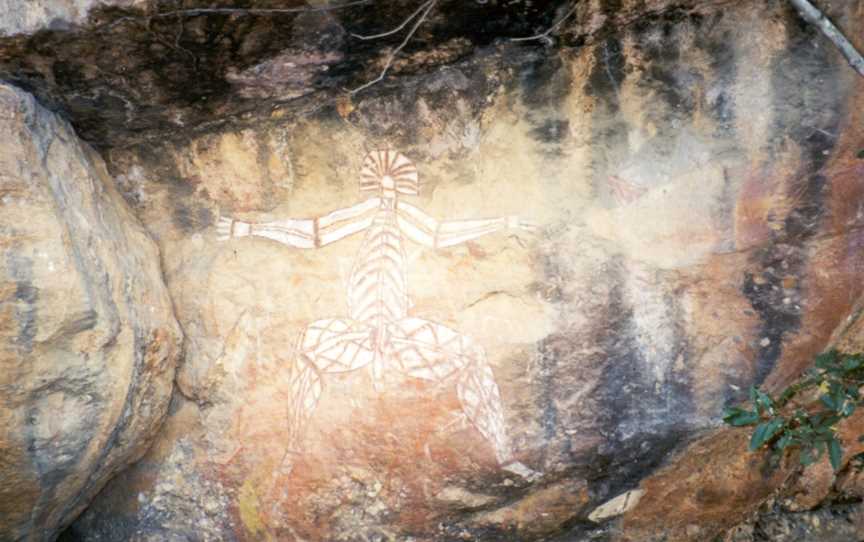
[(379, 332)]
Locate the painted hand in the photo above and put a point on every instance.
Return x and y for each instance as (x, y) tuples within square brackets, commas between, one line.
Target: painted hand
[(514, 222)]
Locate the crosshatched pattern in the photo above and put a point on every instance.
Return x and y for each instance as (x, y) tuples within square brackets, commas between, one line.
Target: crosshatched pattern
[(379, 332)]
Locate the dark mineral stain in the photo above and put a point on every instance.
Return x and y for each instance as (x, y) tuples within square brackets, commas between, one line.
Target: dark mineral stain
[(132, 402), (545, 81), (130, 75), (548, 360), (609, 128), (484, 23), (718, 44), (806, 81), (158, 160), (608, 73), (191, 219), (641, 416), (551, 131), (25, 300), (78, 323)]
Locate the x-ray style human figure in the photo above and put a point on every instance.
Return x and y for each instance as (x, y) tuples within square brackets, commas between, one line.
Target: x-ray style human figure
[(379, 333)]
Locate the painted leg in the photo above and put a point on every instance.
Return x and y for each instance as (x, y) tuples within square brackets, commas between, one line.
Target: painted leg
[(326, 346), (305, 390), (432, 351)]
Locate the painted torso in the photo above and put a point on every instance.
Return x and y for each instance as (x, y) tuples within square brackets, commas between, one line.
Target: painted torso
[(377, 287)]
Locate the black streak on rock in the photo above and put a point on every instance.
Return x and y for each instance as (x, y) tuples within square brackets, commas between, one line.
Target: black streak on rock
[(719, 47), (551, 131), (640, 416), (805, 83), (24, 299), (608, 73), (191, 219), (129, 76)]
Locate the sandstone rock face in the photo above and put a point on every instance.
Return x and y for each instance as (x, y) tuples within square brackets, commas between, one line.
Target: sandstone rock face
[(693, 169), (696, 181), (88, 339)]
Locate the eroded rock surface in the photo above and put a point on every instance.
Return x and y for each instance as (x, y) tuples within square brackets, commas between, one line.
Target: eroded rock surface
[(695, 175), (88, 339), (694, 170)]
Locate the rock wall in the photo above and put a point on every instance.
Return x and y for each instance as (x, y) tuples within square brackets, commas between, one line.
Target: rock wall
[(88, 339), (671, 206), (695, 175)]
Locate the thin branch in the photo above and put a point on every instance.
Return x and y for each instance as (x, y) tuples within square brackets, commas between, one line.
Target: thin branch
[(429, 5), (812, 15), (395, 30), (552, 28)]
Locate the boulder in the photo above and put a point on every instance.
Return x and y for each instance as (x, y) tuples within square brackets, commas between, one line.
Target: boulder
[(88, 338)]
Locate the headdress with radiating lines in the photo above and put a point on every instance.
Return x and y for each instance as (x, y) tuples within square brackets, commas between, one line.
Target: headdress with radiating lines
[(388, 162)]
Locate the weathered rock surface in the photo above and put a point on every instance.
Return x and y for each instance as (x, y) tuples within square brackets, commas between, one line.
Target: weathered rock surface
[(694, 168), (88, 339), (696, 176)]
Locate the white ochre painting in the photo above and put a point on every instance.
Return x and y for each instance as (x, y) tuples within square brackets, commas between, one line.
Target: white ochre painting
[(379, 333)]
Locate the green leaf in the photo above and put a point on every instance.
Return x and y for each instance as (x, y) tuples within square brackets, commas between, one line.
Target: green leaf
[(807, 457), (835, 453), (747, 418), (828, 401), (753, 399), (738, 417), (764, 432), (783, 442), (851, 363), (764, 400), (826, 360), (839, 394)]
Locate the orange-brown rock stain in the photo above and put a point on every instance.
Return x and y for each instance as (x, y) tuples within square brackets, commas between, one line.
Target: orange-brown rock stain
[(390, 450), (832, 283), (710, 487)]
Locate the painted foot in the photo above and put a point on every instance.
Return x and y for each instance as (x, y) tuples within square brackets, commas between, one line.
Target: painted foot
[(279, 491)]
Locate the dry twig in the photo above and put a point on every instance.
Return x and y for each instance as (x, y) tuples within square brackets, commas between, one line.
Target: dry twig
[(812, 15), (423, 12), (395, 30), (545, 34)]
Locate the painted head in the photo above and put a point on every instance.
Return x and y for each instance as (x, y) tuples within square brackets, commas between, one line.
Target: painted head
[(390, 172)]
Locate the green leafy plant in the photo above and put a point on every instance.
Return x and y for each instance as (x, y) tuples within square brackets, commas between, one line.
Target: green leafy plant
[(781, 425)]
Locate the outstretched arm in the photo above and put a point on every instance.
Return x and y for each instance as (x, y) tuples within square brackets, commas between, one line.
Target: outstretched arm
[(305, 232), (428, 231)]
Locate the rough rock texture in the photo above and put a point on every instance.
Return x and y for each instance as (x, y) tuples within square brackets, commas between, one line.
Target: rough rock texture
[(146, 70), (88, 339), (26, 17), (694, 169), (696, 177)]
